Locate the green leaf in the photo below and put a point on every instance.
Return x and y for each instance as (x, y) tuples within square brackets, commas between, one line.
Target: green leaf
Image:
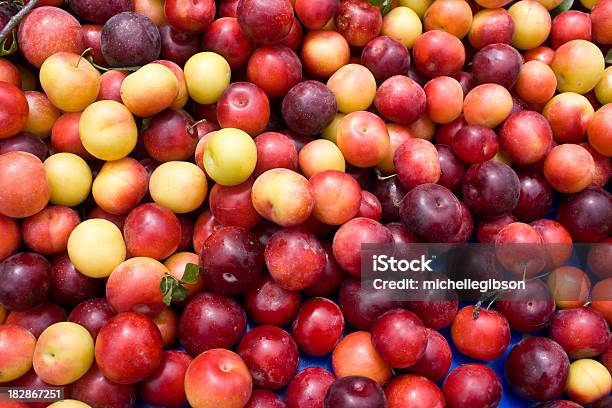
[(179, 293), (386, 8), (384, 5), (564, 6), (609, 57), (167, 299), (192, 272), (166, 283)]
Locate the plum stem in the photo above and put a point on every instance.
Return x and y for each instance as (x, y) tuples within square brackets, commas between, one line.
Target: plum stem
[(381, 177), (82, 56), (14, 21), (194, 124), (104, 69)]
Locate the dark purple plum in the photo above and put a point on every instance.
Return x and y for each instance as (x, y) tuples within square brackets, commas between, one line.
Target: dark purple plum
[(25, 142), (99, 11), (268, 303), (467, 226), (26, 278), (491, 189), (537, 368), (355, 392), (92, 315), (390, 193), (466, 80), (431, 213), (233, 260), (363, 175), (309, 107), (587, 215), (178, 47), (527, 310), (96, 390), (211, 321), (452, 169), (69, 286), (130, 39), (361, 307), (497, 63), (535, 199), (331, 277), (571, 404), (37, 319), (488, 228), (385, 57)]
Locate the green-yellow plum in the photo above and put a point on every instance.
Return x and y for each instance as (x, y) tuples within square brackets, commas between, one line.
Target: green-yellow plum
[(532, 24), (64, 352), (70, 81), (331, 131), (320, 155), (230, 157), (96, 247), (404, 24), (179, 186), (588, 381), (207, 75), (603, 89), (283, 197), (108, 130), (69, 179), (578, 65), (183, 94), (418, 6), (149, 90), (354, 87)]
